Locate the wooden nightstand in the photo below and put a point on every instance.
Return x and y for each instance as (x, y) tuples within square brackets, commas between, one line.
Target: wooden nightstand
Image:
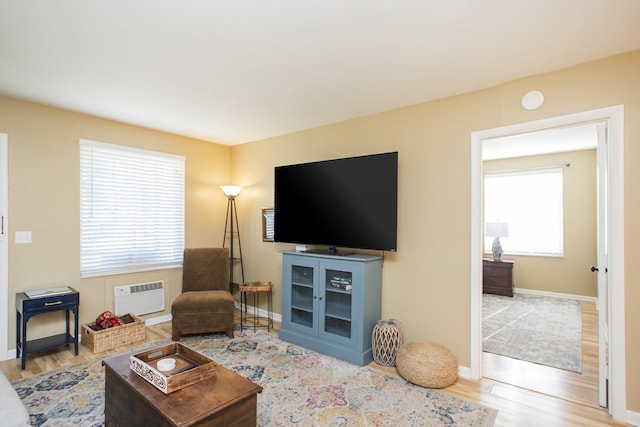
[(497, 277)]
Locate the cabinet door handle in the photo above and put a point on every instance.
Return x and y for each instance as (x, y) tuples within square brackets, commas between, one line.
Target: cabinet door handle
[(49, 304)]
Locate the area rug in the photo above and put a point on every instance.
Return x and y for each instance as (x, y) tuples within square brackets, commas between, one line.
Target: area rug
[(301, 388), (543, 330)]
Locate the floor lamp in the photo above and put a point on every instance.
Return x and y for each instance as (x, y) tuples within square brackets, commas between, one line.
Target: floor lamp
[(231, 228)]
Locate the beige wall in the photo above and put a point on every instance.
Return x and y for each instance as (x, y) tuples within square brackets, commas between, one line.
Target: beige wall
[(570, 273), (44, 198), (426, 284)]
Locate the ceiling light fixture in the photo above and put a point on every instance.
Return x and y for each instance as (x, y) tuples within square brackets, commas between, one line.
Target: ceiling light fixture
[(532, 100)]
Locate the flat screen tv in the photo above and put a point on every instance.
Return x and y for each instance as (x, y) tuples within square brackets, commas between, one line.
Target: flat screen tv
[(349, 202)]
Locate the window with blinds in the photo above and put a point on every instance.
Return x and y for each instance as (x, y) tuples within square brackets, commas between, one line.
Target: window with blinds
[(531, 202), (131, 209)]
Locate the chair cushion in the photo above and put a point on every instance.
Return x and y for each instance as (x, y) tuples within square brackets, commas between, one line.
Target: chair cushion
[(203, 303), (202, 311)]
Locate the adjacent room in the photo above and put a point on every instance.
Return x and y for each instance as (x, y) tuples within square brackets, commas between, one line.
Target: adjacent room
[(540, 201)]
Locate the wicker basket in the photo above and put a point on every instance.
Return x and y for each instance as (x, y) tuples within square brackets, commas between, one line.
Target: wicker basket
[(99, 340)]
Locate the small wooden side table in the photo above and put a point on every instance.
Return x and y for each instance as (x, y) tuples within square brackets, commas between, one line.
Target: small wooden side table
[(256, 288), (27, 307)]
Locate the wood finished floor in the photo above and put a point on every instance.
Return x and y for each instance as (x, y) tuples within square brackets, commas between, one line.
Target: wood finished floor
[(578, 387), (517, 406)]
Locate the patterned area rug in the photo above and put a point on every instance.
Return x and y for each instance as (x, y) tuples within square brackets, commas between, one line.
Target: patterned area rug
[(542, 330), (301, 388)]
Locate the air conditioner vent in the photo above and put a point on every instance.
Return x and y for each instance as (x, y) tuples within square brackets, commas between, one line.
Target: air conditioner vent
[(139, 298)]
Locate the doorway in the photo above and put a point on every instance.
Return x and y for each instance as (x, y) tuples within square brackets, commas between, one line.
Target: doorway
[(546, 176), (616, 385)]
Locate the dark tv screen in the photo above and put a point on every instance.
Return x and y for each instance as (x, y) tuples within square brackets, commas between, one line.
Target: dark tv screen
[(349, 202)]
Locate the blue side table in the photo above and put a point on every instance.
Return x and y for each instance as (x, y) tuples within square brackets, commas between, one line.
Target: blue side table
[(27, 307)]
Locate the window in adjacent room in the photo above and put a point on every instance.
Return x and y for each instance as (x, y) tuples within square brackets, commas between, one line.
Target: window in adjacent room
[(131, 209), (530, 201)]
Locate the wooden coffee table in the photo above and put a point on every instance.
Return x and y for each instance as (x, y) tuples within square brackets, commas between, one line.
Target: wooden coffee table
[(224, 400)]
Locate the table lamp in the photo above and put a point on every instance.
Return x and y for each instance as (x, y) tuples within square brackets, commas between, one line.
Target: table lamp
[(497, 230)]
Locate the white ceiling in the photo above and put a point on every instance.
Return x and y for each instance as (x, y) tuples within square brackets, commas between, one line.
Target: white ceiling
[(238, 71), (556, 140)]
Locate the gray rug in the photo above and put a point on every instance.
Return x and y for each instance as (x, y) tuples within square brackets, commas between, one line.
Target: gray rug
[(542, 330)]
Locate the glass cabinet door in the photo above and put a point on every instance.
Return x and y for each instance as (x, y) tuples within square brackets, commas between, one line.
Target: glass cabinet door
[(302, 295), (338, 307)]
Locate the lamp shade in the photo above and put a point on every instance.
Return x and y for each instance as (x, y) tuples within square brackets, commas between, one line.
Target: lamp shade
[(231, 190), (497, 229)]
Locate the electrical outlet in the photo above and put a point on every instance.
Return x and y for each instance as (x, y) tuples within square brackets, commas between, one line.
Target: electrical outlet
[(23, 237)]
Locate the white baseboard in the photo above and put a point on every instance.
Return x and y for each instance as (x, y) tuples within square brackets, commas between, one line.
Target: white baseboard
[(555, 295), (633, 418), (464, 372), (263, 313), (156, 320)]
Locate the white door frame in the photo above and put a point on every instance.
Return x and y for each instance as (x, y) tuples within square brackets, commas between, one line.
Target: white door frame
[(603, 263), (4, 246), (617, 358)]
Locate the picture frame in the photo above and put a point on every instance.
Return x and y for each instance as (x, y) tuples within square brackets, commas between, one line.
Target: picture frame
[(268, 214)]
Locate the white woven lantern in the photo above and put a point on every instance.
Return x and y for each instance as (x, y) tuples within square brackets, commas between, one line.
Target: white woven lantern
[(386, 339)]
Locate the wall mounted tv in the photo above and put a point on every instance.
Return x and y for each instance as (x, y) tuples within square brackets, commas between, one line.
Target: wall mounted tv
[(349, 202)]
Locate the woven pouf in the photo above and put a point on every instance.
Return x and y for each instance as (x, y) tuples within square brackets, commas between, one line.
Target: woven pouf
[(386, 339), (427, 364)]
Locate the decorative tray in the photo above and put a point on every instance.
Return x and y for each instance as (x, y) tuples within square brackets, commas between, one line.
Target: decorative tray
[(190, 367)]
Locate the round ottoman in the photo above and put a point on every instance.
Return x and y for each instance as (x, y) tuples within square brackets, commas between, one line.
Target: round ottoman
[(427, 364)]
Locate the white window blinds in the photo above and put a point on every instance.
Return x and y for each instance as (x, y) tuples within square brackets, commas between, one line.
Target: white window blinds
[(131, 209), (530, 201)]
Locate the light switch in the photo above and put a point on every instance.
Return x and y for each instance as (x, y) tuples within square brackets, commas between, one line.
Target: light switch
[(23, 237)]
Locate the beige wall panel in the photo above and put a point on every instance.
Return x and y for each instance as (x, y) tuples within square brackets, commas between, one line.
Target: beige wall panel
[(426, 284), (44, 198)]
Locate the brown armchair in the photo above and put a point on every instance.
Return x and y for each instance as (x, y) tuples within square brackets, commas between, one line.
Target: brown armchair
[(205, 305)]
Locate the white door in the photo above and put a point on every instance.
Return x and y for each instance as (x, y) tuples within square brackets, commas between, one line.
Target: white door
[(4, 246), (603, 265)]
